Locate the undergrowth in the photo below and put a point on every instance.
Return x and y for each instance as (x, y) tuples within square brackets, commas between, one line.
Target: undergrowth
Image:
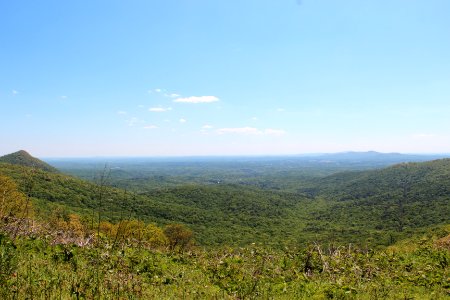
[(33, 268)]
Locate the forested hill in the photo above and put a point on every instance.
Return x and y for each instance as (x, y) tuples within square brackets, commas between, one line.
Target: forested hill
[(361, 207), (23, 158), (413, 180), (400, 198), (218, 214)]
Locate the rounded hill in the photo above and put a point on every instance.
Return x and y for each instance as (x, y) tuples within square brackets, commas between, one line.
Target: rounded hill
[(23, 158)]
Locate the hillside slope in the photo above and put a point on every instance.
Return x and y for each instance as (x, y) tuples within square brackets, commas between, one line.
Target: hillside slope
[(429, 177), (399, 198), (217, 214), (372, 207), (23, 158)]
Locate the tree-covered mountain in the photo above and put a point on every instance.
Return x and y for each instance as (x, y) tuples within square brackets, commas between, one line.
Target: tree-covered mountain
[(376, 207), (23, 158), (400, 198), (275, 173), (423, 176), (218, 214)]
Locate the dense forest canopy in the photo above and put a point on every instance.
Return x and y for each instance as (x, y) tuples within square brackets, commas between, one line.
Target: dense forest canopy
[(272, 227), (345, 198)]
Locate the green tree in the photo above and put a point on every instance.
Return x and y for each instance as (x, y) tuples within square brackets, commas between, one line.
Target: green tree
[(179, 236), (13, 203)]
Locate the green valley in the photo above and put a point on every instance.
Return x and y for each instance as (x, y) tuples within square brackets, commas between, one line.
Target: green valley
[(267, 228)]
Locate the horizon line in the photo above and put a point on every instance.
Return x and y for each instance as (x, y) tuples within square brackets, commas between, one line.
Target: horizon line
[(243, 155)]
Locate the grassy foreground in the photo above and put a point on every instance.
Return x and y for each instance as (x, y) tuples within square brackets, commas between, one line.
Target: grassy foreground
[(34, 268)]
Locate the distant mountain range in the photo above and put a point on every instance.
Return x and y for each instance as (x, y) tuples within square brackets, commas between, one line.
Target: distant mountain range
[(348, 157), (375, 157), (378, 155)]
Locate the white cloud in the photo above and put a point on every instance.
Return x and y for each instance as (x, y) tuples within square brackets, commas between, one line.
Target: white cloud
[(182, 120), (14, 92), (251, 131), (159, 109), (133, 121), (207, 126), (195, 100), (173, 95), (280, 110), (240, 130), (155, 91), (254, 119), (121, 112), (164, 93), (150, 127), (63, 97)]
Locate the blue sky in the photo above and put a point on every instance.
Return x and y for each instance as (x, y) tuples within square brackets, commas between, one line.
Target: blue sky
[(204, 77)]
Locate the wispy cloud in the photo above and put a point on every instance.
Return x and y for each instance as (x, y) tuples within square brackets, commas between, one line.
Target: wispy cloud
[(182, 120), (157, 91), (134, 121), (173, 95), (121, 112), (14, 92), (251, 131), (199, 99), (150, 127), (240, 130), (280, 110), (206, 129), (164, 92), (159, 109)]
